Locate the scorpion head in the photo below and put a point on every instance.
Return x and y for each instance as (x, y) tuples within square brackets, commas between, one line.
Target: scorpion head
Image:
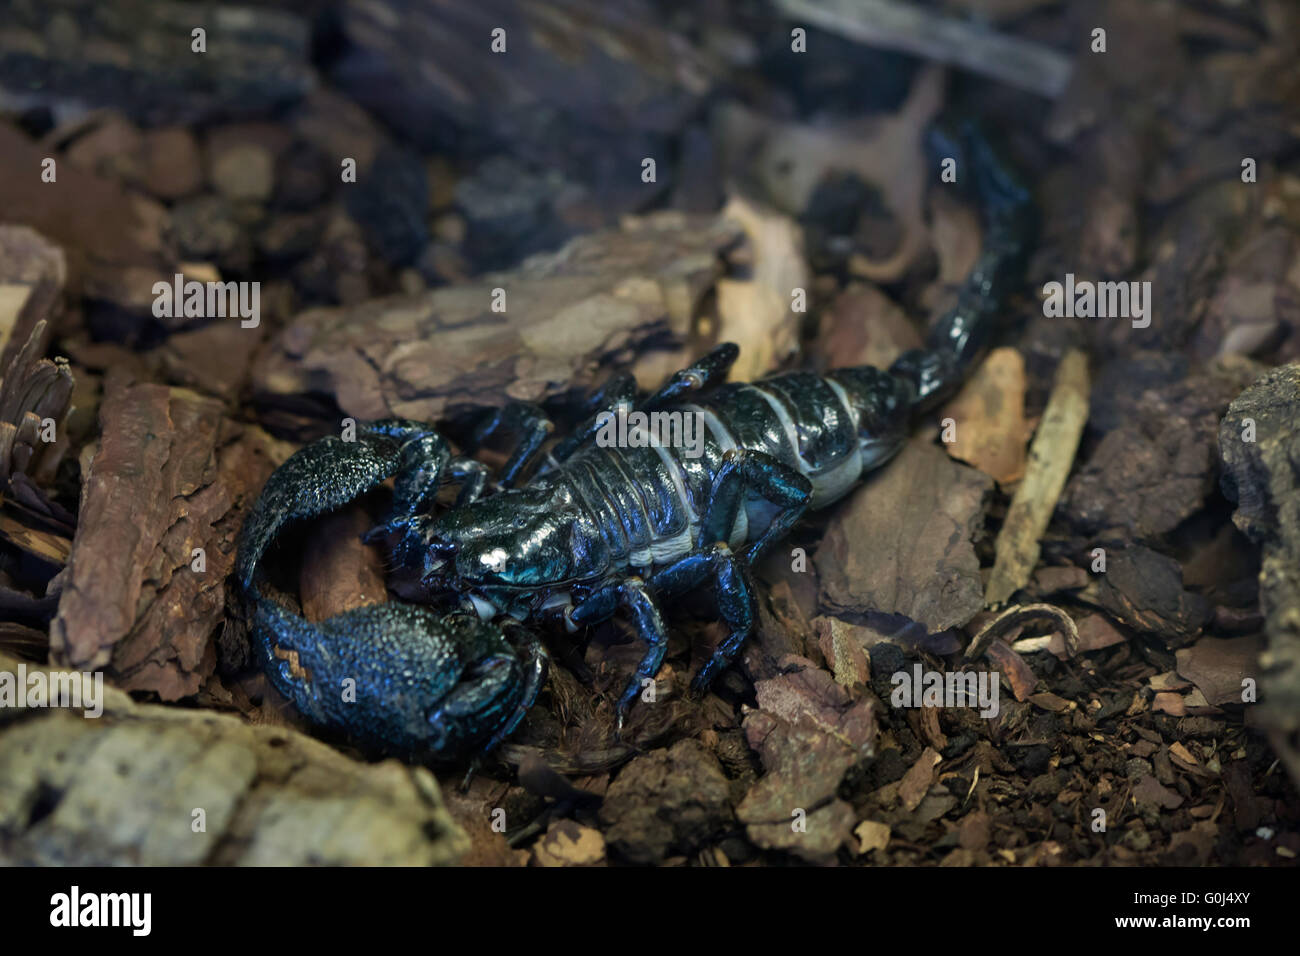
[(515, 541)]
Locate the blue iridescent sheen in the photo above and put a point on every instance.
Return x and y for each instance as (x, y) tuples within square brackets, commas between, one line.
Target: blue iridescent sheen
[(576, 533)]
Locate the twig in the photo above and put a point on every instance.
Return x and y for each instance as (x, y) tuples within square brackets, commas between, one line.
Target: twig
[(900, 26), (1050, 458)]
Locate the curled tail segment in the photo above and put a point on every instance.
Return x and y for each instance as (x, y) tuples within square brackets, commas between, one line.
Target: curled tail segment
[(959, 337)]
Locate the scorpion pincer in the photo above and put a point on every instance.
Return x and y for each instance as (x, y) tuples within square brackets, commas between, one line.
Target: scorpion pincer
[(581, 531)]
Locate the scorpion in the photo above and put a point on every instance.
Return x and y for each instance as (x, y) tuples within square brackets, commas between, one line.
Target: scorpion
[(577, 533)]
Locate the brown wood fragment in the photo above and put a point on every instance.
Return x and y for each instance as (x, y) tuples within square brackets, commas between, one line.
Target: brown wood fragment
[(863, 326), (756, 313), (916, 782), (1013, 666), (1157, 463), (113, 241), (48, 547), (32, 273), (808, 732), (991, 431), (34, 390), (1220, 667), (974, 831), (871, 836), (1050, 702), (1014, 617), (567, 316), (842, 648), (1050, 458), (171, 478), (1168, 702), (567, 843), (340, 572), (929, 501), (1260, 474), (1144, 590)]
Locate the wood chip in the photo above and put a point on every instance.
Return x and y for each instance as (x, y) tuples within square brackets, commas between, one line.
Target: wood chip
[(916, 782), (989, 415), (871, 836)]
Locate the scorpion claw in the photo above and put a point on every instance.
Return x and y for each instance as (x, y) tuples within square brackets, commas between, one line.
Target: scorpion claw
[(422, 683), (399, 677)]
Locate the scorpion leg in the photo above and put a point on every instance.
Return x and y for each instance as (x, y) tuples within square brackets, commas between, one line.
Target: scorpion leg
[(746, 471), (536, 662), (708, 371), (735, 594), (471, 475), (632, 594), (742, 472), (532, 426), (619, 390)]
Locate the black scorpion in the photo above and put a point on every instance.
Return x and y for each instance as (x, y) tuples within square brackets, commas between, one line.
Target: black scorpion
[(592, 530)]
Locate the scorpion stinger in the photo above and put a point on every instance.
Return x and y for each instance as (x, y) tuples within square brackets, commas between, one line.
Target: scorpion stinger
[(603, 527)]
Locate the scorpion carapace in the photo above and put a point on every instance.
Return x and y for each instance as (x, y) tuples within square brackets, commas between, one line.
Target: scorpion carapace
[(595, 529)]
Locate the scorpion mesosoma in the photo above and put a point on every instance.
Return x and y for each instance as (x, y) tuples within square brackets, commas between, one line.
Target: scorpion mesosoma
[(593, 530)]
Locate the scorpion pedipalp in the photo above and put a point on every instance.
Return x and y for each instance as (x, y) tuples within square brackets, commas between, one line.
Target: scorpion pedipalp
[(398, 676)]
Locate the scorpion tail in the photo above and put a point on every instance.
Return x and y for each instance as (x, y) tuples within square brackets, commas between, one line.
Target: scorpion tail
[(960, 337)]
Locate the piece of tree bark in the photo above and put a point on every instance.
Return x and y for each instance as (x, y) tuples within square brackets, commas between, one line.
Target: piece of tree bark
[(136, 56), (989, 413), (112, 240), (130, 786), (340, 572), (758, 310), (808, 731), (161, 506), (902, 544), (1159, 463), (32, 274), (577, 84), (1259, 440), (900, 26), (596, 303), (34, 394)]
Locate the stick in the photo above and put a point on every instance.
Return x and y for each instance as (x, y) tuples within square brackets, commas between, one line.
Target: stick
[(898, 26), (1050, 458)]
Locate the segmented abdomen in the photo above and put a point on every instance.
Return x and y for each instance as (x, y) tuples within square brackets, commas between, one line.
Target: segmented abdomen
[(649, 501)]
